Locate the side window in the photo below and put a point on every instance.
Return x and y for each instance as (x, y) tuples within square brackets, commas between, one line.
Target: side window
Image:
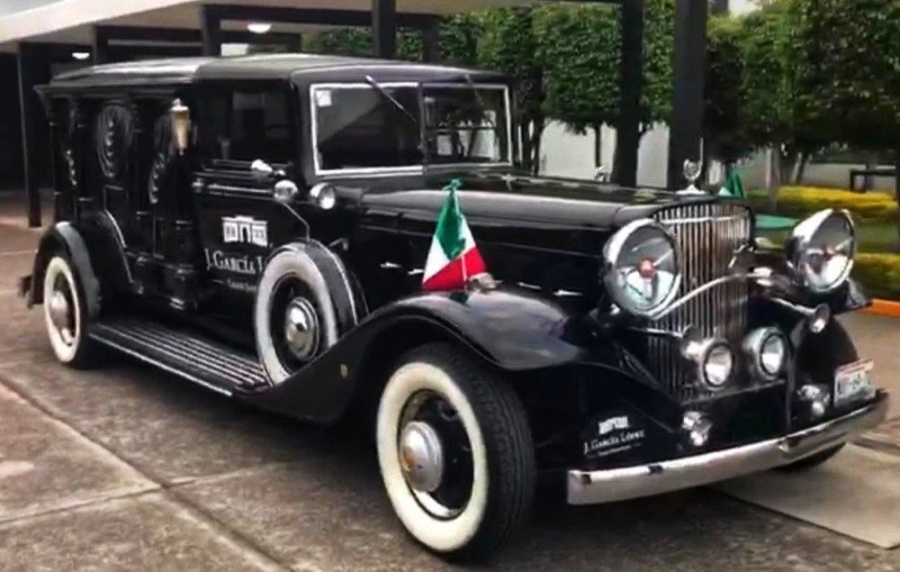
[(250, 125)]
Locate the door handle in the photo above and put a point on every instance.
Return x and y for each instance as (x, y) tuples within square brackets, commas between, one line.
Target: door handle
[(390, 266)]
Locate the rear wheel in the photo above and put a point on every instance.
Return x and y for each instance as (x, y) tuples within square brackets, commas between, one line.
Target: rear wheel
[(455, 452), (65, 314)]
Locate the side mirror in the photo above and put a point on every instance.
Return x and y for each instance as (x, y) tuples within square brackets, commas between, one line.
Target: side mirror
[(180, 116)]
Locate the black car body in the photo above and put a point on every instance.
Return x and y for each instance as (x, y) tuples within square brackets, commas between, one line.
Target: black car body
[(260, 225)]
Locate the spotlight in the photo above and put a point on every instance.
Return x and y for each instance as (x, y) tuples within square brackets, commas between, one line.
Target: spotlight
[(259, 27)]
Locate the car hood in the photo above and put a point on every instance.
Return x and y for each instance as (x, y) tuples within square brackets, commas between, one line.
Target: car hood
[(531, 201)]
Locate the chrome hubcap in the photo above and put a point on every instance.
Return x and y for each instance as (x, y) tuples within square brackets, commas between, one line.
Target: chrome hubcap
[(60, 311), (301, 329), (421, 456)]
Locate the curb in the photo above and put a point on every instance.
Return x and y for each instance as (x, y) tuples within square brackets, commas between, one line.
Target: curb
[(884, 308)]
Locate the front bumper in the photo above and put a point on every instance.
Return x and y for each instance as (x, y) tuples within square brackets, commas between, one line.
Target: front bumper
[(589, 487)]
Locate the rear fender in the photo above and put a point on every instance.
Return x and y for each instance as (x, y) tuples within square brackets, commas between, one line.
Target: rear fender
[(65, 238)]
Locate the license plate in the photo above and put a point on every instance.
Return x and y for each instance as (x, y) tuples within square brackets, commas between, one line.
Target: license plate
[(853, 382)]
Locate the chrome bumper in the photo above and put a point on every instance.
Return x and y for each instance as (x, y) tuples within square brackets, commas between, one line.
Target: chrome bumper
[(589, 487)]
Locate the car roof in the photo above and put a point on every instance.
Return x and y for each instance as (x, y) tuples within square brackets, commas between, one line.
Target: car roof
[(262, 67)]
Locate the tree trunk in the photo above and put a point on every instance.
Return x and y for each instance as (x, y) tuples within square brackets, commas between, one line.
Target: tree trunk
[(786, 164), (525, 138), (537, 137), (598, 145), (773, 178), (801, 168)]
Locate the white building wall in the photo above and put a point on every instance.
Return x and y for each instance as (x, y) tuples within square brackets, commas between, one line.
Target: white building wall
[(566, 154)]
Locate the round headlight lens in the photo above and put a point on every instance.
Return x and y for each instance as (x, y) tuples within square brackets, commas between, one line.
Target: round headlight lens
[(642, 271), (718, 365), (772, 355), (823, 247)]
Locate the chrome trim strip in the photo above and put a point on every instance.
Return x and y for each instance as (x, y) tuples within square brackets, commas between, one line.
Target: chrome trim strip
[(612, 485), (706, 287), (161, 365)]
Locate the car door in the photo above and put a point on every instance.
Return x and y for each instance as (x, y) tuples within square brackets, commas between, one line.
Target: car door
[(242, 128)]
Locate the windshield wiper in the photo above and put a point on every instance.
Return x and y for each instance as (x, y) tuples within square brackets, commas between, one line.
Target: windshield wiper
[(384, 93)]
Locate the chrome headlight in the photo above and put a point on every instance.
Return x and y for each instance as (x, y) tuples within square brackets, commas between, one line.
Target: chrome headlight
[(821, 250), (767, 350), (642, 269)]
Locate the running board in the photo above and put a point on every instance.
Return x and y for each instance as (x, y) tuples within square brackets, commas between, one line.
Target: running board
[(194, 357)]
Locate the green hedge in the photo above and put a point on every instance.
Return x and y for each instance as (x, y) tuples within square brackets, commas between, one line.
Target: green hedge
[(799, 202), (879, 274)]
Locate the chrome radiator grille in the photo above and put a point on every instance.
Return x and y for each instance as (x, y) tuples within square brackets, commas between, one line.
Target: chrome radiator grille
[(708, 235)]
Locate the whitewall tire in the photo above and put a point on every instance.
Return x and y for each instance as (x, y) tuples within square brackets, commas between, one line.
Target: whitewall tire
[(455, 453), (65, 314), (292, 285)]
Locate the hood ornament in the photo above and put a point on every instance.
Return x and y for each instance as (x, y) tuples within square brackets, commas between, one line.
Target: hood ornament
[(692, 170)]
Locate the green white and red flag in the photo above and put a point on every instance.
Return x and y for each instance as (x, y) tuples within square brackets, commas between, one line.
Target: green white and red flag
[(454, 256)]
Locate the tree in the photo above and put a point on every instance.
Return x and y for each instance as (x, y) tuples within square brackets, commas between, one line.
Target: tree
[(508, 43), (772, 117), (580, 47), (724, 136), (849, 78)]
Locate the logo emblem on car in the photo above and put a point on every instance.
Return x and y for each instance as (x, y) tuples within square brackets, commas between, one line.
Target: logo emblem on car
[(245, 229)]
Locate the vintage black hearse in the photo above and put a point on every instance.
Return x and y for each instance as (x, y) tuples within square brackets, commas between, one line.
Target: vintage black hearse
[(261, 225)]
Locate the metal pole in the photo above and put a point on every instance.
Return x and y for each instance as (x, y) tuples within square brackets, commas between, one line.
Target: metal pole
[(101, 46), (211, 30), (686, 126), (384, 24), (628, 133), (431, 41), (29, 107)]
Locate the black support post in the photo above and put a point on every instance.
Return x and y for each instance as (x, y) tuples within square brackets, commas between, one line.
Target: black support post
[(100, 50), (384, 22), (686, 126), (33, 70), (431, 41), (211, 30), (628, 132)]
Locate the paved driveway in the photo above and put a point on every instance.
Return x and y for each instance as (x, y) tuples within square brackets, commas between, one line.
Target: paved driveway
[(126, 468)]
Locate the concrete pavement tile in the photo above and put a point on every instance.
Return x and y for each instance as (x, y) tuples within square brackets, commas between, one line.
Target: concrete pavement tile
[(144, 533), (857, 493), (168, 427), (45, 466), (331, 514)]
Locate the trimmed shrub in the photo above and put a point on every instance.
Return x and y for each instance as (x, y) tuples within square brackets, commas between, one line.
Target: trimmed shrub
[(803, 201), (879, 275)]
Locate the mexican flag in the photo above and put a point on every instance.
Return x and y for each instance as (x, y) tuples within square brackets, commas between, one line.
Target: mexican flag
[(454, 256)]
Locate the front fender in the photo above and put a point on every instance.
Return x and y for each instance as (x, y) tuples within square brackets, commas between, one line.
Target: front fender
[(515, 332)]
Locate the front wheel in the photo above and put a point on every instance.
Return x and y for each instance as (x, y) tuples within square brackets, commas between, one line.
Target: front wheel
[(455, 452)]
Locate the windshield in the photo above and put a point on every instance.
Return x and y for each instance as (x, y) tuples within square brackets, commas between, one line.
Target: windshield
[(388, 126)]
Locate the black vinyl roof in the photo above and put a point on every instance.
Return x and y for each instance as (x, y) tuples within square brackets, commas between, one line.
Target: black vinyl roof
[(253, 67)]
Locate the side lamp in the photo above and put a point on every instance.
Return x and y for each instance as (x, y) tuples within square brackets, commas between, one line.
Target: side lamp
[(181, 125)]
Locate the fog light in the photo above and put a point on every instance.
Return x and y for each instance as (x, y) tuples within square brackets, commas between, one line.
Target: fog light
[(713, 358), (766, 348), (696, 427), (816, 398)]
